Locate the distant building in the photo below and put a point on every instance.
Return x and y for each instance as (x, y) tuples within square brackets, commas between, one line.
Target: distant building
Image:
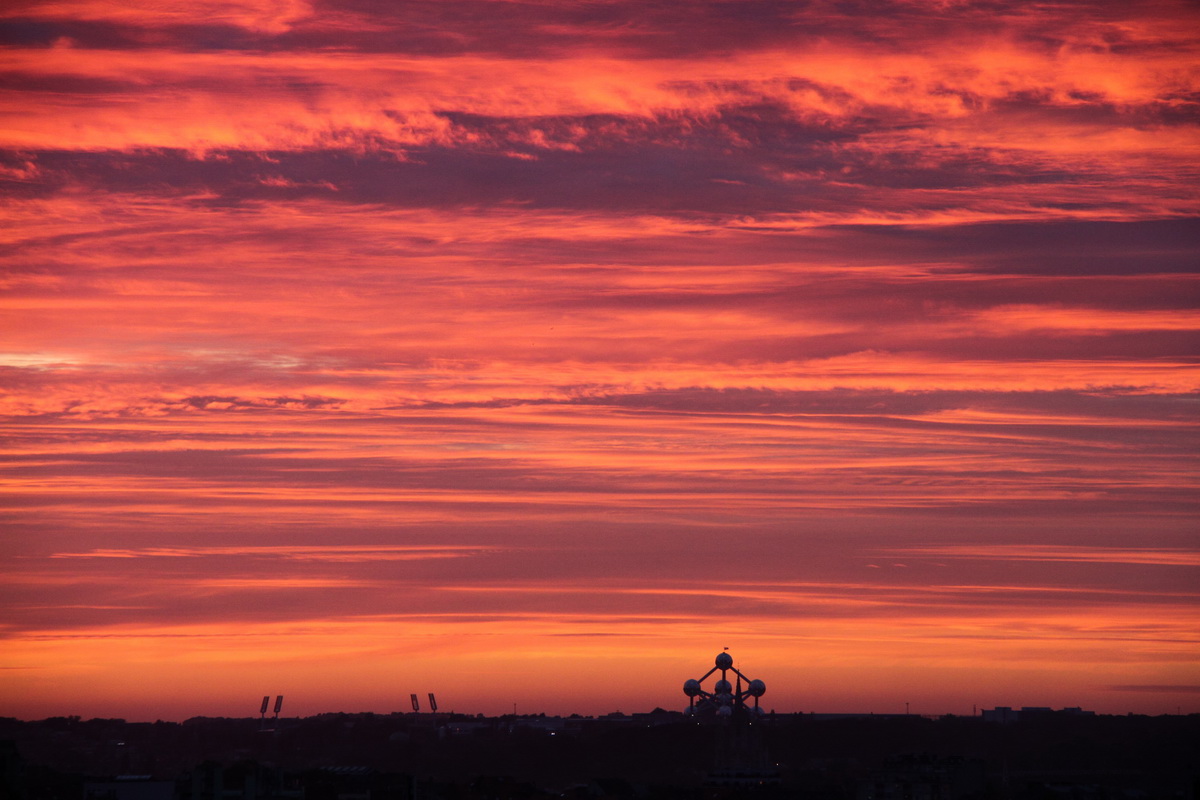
[(1002, 714), (1005, 714), (129, 787), (923, 777), (243, 780)]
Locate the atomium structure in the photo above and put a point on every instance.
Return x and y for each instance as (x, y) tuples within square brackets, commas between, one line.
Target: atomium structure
[(725, 699)]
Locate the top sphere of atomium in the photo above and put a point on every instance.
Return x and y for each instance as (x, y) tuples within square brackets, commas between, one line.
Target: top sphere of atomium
[(724, 661)]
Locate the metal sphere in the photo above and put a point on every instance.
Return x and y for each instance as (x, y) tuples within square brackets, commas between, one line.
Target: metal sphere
[(724, 661), (725, 699), (692, 687), (724, 711), (757, 688), (723, 687)]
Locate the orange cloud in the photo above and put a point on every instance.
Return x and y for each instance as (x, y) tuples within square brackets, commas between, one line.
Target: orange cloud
[(483, 348)]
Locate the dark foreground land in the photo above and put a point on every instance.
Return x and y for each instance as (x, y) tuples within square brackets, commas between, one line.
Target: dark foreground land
[(408, 756)]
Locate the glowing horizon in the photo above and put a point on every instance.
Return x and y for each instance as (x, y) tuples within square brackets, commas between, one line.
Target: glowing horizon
[(356, 349)]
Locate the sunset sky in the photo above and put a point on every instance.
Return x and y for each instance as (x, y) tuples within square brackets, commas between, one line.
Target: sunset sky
[(534, 351)]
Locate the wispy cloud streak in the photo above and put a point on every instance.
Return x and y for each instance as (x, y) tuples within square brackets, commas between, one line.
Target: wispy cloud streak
[(336, 553)]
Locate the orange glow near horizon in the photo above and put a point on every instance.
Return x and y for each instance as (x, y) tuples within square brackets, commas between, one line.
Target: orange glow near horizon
[(357, 349)]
